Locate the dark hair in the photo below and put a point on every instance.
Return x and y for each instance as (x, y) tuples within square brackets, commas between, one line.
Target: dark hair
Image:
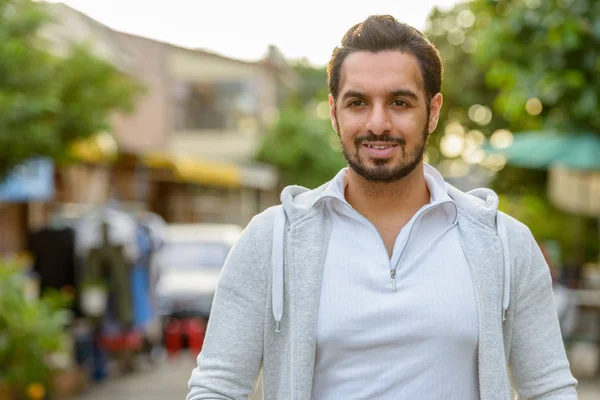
[(383, 32)]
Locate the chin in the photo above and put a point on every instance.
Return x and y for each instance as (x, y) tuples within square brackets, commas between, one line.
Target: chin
[(385, 171)]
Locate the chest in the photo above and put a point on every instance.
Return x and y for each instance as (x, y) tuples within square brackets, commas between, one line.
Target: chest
[(310, 301), (434, 284), (389, 233)]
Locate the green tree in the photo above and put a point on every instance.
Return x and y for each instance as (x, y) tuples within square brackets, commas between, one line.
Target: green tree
[(302, 144), (48, 101), (455, 34), (546, 50), (503, 53), (543, 58)]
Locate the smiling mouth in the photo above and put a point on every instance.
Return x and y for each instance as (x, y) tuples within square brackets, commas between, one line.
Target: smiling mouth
[(381, 150), (380, 147)]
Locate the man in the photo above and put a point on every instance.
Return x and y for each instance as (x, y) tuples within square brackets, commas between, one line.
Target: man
[(385, 283)]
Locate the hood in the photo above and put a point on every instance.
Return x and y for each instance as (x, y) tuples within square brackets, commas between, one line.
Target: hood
[(299, 202), (481, 204)]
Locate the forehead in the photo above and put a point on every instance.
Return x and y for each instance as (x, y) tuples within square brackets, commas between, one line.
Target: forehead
[(381, 72)]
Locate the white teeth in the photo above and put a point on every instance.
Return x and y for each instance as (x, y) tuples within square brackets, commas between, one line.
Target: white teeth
[(380, 147)]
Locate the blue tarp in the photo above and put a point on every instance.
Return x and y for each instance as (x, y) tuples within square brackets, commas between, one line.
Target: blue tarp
[(30, 181)]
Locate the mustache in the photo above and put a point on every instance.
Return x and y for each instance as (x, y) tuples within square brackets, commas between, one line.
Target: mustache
[(386, 137)]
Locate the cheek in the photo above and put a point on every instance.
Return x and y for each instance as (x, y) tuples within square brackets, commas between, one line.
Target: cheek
[(349, 127), (411, 126)]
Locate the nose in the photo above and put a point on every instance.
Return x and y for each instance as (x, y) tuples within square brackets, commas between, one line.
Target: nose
[(379, 122)]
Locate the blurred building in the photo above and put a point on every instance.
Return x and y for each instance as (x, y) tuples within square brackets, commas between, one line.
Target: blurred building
[(187, 151)]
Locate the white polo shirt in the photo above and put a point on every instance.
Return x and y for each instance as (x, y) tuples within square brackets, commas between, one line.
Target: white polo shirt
[(417, 342)]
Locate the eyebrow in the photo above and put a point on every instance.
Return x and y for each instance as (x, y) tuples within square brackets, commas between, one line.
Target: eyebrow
[(405, 93), (394, 93)]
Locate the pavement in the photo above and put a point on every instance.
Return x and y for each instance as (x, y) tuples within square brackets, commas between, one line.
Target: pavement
[(165, 381), (168, 381)]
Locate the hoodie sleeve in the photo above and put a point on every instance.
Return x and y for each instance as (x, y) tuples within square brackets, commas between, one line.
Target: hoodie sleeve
[(538, 361), (232, 352)]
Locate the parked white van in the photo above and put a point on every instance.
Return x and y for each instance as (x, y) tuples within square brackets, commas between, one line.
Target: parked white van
[(189, 265)]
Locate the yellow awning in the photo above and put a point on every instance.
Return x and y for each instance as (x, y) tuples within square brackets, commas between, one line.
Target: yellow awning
[(100, 148), (194, 170)]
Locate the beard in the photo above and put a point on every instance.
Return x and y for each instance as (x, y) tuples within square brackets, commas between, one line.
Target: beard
[(385, 170)]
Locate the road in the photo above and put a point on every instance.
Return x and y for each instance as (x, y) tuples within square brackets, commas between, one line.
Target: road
[(168, 381)]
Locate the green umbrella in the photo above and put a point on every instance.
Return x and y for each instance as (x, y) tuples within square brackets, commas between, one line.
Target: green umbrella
[(545, 149)]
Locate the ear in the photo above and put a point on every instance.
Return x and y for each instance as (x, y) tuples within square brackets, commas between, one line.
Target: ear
[(435, 106), (332, 113)]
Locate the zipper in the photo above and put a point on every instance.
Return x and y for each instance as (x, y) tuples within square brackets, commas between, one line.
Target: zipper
[(363, 218), (393, 270)]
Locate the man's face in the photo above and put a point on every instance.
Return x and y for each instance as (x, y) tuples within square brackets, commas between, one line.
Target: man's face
[(381, 115)]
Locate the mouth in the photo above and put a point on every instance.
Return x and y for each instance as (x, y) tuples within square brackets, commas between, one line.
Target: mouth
[(380, 147), (380, 150)]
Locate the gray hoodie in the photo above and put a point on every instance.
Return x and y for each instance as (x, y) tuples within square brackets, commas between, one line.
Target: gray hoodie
[(265, 308)]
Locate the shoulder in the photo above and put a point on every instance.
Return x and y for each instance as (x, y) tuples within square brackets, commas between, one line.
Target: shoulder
[(526, 256), (262, 223), (259, 231), (518, 232)]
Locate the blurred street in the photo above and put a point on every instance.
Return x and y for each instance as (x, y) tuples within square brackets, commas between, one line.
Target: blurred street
[(139, 140), (165, 381), (169, 381)]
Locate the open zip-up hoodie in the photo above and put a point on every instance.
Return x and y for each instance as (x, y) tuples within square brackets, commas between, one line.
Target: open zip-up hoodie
[(265, 308)]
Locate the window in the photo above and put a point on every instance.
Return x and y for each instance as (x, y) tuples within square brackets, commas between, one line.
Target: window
[(214, 105)]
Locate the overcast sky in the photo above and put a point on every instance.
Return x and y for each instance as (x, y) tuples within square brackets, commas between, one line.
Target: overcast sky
[(244, 29)]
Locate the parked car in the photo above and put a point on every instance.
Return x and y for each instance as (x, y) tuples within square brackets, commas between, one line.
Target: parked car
[(189, 265)]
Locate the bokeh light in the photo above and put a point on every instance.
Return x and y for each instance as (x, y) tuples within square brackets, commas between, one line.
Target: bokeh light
[(452, 145), (534, 106), (494, 162), (454, 128), (323, 110), (469, 45), (501, 139), (476, 137), (479, 114), (466, 19)]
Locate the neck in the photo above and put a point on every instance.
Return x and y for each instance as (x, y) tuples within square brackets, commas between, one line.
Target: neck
[(382, 200)]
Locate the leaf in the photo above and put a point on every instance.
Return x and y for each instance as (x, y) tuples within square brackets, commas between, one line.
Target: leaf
[(48, 102)]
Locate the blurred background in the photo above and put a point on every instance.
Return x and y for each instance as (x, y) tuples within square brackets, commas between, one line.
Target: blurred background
[(137, 139)]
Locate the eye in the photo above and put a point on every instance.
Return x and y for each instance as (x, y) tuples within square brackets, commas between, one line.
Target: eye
[(356, 103), (400, 103)]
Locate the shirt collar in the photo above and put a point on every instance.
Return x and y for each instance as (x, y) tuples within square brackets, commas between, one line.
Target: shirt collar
[(439, 192), (336, 187), (433, 179)]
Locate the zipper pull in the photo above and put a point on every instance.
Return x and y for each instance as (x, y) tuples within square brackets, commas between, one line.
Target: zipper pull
[(393, 275)]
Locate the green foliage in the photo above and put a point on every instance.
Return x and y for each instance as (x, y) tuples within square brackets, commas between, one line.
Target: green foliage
[(500, 54), (303, 145), (48, 101), (456, 33), (548, 223), (314, 84), (30, 330), (543, 49)]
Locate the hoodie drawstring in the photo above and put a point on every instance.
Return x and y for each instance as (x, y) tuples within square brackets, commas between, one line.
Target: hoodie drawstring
[(506, 258), (278, 258)]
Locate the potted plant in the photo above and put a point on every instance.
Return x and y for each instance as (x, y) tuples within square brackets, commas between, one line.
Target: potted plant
[(30, 333)]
